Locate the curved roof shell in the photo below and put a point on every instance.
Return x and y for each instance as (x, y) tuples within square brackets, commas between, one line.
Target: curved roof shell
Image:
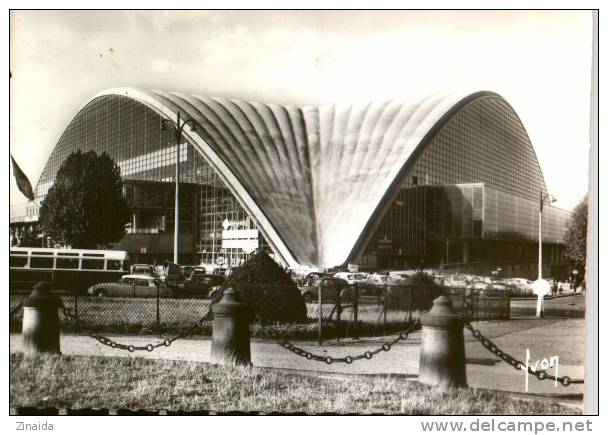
[(314, 179)]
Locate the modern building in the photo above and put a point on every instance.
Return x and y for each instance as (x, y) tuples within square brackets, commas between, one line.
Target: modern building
[(448, 182)]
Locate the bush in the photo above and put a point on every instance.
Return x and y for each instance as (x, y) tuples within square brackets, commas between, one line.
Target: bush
[(423, 291), (269, 290)]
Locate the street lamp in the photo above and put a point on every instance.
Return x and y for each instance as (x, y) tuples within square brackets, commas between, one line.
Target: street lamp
[(541, 287), (178, 128)]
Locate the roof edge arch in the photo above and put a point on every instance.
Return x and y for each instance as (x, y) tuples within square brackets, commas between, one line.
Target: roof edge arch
[(391, 193), (149, 99)]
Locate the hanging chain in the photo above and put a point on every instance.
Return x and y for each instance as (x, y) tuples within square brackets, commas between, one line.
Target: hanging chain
[(517, 364), (130, 347), (349, 359)]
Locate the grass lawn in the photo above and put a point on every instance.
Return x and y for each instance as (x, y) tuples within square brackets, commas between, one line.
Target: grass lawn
[(132, 383)]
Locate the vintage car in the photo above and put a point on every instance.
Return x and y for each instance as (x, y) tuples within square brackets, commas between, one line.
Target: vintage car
[(199, 285), (132, 286), (331, 289)]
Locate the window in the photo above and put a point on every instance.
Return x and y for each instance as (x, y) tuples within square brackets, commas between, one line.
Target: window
[(114, 265), (41, 263), (17, 261), (67, 263), (92, 264)]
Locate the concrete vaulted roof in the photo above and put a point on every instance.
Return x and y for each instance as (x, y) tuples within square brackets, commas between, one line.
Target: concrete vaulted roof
[(314, 179)]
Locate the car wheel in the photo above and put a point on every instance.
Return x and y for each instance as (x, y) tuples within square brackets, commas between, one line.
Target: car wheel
[(101, 293)]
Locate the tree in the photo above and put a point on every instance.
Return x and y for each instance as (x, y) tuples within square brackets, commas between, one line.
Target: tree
[(575, 239), (85, 207)]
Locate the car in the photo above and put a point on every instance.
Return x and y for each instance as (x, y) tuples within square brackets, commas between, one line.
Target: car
[(499, 284), (171, 273), (331, 288), (143, 269), (220, 271), (456, 280), (479, 284), (375, 283), (133, 285), (231, 271), (200, 284), (439, 279), (311, 277), (522, 285), (352, 277), (188, 270), (401, 274)]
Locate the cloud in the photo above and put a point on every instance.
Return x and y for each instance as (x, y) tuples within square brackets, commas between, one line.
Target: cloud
[(538, 60)]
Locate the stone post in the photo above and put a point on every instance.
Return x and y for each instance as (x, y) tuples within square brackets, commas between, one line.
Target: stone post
[(442, 357), (40, 328), (230, 340)]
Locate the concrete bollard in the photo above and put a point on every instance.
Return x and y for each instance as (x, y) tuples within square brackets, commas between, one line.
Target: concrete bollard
[(442, 358), (230, 343), (40, 328)]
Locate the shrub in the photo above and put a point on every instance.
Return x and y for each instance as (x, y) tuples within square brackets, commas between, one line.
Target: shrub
[(271, 293), (423, 291)]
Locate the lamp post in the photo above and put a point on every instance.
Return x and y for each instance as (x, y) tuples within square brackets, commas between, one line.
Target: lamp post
[(541, 287), (178, 128)]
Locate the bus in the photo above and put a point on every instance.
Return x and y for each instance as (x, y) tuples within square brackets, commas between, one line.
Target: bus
[(68, 270)]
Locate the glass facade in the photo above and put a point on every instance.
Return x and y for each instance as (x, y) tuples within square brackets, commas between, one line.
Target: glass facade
[(471, 196), (131, 134)]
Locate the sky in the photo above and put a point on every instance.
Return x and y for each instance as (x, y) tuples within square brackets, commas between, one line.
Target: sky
[(539, 61)]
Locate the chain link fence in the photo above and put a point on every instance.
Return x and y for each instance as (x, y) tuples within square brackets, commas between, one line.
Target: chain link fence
[(133, 308), (150, 307), (380, 310)]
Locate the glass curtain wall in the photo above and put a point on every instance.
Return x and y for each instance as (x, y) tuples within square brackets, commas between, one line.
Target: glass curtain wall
[(471, 196), (131, 134)]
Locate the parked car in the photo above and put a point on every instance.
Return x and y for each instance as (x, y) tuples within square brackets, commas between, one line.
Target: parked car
[(220, 271), (200, 284), (188, 270), (401, 274), (439, 279), (171, 274), (456, 280), (499, 284), (479, 284), (143, 269), (352, 277), (330, 289), (231, 270), (522, 285), (135, 286), (375, 283), (311, 277)]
